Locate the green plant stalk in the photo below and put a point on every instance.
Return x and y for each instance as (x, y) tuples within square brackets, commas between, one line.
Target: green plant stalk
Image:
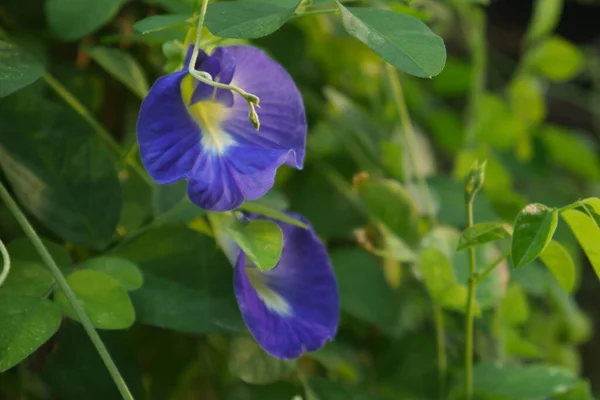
[(473, 20), (469, 315), (71, 297), (411, 144), (96, 126)]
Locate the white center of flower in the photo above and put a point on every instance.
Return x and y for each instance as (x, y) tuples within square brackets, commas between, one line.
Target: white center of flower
[(273, 301), (209, 116)]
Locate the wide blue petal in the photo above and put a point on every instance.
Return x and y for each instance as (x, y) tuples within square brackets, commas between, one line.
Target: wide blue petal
[(169, 138), (294, 307)]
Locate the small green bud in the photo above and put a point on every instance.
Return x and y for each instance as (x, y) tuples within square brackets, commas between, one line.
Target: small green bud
[(252, 99), (253, 116), (475, 178)]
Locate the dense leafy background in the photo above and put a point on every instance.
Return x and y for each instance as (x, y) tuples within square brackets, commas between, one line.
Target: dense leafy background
[(513, 82)]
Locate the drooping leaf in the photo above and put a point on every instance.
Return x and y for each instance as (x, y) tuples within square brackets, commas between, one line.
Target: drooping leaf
[(249, 19), (27, 323), (400, 39), (559, 262), (587, 232), (71, 20), (104, 299), (521, 382), (533, 230), (251, 364), (17, 68), (483, 233), (124, 271), (60, 172), (156, 23), (123, 67), (393, 206), (187, 281), (260, 240)]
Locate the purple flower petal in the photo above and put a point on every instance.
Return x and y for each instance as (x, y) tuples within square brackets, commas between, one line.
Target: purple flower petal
[(294, 307)]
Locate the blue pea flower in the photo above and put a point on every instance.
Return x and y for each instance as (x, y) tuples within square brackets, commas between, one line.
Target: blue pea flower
[(190, 130), (294, 307)]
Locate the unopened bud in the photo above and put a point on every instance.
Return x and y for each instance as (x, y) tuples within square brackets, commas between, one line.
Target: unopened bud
[(475, 178), (253, 116)]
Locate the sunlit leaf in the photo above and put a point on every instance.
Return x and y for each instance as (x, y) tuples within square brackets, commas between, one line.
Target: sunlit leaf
[(249, 19), (17, 68), (483, 233), (403, 41), (559, 262), (587, 232), (260, 240), (27, 323), (556, 59), (533, 230), (104, 299)]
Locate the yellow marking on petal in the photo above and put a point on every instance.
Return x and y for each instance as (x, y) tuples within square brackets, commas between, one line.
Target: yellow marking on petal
[(273, 301), (209, 115)]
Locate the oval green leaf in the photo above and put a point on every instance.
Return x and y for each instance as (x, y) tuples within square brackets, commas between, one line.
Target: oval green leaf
[(251, 364), (61, 173), (483, 233), (155, 23), (260, 240), (123, 67), (559, 262), (124, 271), (533, 230), (27, 323), (249, 19), (27, 278), (17, 68), (556, 59), (71, 20), (393, 206), (271, 212), (103, 298), (403, 41), (587, 232)]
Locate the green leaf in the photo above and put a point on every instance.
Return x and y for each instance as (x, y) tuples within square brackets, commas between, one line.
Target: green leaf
[(514, 308), (533, 230), (403, 41), (325, 389), (527, 99), (521, 382), (571, 151), (559, 262), (27, 323), (483, 233), (27, 278), (187, 281), (251, 364), (123, 67), (440, 280), (261, 241), (71, 20), (61, 173), (364, 292), (249, 19), (546, 16), (73, 370), (23, 250), (103, 298), (587, 232), (393, 206), (556, 58), (268, 211), (172, 204), (17, 68), (156, 23), (124, 271)]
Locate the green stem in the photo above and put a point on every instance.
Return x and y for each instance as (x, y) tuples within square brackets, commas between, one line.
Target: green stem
[(93, 122), (441, 355), (469, 316), (410, 140), (474, 26), (5, 263), (71, 297)]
